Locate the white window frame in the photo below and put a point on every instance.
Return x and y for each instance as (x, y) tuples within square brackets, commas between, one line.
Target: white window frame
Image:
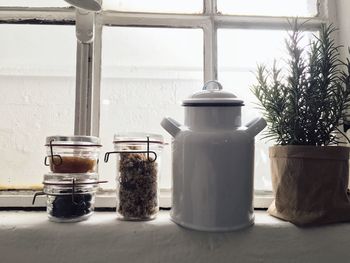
[(87, 112)]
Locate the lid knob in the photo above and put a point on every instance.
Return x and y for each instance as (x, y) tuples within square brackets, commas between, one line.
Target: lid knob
[(212, 94), (212, 85)]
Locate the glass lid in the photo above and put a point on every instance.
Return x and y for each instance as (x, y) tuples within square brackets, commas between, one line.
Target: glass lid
[(138, 137), (67, 179), (213, 95), (73, 140)]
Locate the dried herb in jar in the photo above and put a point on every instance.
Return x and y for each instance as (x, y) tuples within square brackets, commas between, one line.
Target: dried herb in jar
[(138, 186), (64, 207)]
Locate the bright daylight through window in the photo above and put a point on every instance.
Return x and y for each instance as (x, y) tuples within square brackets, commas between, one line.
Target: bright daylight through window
[(148, 58)]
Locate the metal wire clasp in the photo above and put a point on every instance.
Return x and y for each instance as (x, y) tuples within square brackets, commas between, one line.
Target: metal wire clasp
[(35, 196), (53, 160), (106, 158), (74, 184)]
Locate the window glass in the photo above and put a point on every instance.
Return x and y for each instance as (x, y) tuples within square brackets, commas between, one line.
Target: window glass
[(157, 6), (239, 52), (146, 72), (301, 8), (34, 3), (37, 97)]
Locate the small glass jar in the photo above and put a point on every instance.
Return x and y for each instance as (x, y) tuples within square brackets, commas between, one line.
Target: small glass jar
[(138, 167), (72, 154), (70, 197)]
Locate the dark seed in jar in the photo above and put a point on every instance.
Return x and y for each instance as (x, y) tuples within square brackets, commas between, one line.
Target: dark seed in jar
[(64, 207), (137, 186), (73, 165)]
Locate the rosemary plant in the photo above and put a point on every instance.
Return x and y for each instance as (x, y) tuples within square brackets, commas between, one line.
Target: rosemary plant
[(306, 105)]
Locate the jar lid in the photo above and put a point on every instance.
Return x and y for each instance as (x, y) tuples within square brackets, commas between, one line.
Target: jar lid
[(73, 141), (61, 179), (212, 95), (138, 137)]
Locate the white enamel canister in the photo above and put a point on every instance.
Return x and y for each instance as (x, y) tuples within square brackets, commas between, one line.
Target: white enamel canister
[(213, 162)]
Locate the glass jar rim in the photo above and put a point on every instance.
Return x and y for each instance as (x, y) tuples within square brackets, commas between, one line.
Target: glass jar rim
[(75, 140), (55, 190), (66, 179), (138, 137)]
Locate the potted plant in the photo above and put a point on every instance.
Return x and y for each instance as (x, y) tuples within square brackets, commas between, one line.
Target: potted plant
[(304, 107)]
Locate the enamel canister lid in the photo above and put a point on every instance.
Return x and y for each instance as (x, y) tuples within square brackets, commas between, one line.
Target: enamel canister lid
[(212, 95)]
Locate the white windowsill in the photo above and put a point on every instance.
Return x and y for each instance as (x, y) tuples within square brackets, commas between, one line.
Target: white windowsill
[(24, 199), (30, 237)]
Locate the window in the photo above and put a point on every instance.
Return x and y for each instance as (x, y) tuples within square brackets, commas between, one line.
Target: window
[(37, 97), (142, 83), (155, 6), (146, 59), (236, 73), (300, 8)]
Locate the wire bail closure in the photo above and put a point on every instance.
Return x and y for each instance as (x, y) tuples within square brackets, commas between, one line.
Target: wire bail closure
[(52, 157), (74, 184), (106, 157)]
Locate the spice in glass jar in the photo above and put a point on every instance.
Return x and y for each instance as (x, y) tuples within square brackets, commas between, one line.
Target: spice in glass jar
[(138, 165), (65, 164), (70, 197), (72, 154), (64, 206), (138, 186)]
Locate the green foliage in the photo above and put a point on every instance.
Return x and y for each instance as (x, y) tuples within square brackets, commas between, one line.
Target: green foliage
[(305, 106)]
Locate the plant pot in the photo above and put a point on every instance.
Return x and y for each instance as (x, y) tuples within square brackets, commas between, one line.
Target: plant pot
[(310, 184)]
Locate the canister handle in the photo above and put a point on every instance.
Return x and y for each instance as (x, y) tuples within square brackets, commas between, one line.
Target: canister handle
[(255, 126), (171, 126)]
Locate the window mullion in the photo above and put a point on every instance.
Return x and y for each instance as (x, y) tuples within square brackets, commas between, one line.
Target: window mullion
[(84, 73), (95, 119), (210, 42), (83, 94), (209, 6), (210, 52), (113, 18), (323, 8), (261, 22)]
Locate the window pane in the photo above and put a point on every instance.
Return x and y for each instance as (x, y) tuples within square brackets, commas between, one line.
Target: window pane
[(301, 8), (157, 6), (239, 53), (34, 3), (37, 97), (146, 72)]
